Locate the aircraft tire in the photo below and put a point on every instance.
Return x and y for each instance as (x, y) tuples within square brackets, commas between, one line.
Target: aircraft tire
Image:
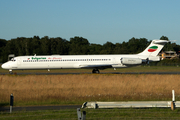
[(95, 71)]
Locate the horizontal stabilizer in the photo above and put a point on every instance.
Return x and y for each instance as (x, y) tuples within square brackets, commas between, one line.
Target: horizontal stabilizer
[(160, 41)]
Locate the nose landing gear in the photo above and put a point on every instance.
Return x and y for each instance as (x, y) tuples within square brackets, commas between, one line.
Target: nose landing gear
[(10, 71)]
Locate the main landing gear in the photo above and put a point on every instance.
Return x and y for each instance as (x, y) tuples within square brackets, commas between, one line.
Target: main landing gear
[(95, 71)]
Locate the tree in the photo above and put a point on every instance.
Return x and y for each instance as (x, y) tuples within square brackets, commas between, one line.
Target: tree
[(107, 48), (62, 47), (121, 48), (35, 46), (137, 45), (168, 46), (45, 45), (79, 46), (76, 46), (95, 48), (2, 47), (164, 38)]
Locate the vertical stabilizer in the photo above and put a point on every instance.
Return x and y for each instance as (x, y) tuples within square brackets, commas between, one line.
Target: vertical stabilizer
[(154, 48)]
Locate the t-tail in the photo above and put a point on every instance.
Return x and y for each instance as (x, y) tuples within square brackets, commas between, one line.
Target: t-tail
[(153, 50)]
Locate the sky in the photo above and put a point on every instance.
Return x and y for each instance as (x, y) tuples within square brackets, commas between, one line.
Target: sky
[(99, 21)]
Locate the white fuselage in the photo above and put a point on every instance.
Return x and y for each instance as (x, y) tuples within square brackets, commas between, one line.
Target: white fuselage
[(68, 61)]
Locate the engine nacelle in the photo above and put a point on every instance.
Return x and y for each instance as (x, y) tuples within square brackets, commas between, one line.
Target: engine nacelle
[(156, 58), (131, 61)]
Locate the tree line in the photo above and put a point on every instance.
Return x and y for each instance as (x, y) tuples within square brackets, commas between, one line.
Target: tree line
[(75, 46)]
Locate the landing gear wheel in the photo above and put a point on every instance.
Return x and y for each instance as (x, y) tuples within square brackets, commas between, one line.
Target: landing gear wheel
[(95, 71), (10, 72)]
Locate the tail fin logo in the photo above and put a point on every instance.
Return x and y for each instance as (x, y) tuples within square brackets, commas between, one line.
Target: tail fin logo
[(152, 48)]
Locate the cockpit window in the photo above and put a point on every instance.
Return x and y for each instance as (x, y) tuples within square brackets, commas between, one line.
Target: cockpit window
[(13, 59)]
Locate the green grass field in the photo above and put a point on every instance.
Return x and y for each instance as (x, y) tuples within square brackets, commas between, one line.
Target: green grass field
[(95, 114)]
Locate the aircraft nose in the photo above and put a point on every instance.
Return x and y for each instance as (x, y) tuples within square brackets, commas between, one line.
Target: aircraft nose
[(5, 66)]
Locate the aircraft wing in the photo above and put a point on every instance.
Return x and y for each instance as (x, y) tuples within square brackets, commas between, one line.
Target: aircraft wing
[(103, 66)]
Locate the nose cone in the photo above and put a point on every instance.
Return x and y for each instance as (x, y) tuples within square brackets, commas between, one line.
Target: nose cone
[(5, 66)]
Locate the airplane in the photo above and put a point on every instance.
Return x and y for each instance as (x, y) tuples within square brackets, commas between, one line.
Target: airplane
[(94, 62)]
